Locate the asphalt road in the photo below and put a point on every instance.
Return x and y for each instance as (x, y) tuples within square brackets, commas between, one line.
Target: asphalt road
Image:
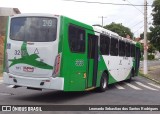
[(123, 93)]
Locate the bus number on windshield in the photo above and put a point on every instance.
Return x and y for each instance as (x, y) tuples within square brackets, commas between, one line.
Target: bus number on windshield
[(47, 23)]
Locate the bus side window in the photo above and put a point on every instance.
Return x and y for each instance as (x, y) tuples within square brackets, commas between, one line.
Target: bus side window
[(104, 44), (128, 49), (76, 39), (121, 48), (114, 47)]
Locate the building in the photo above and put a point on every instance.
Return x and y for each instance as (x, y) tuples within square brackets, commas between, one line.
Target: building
[(157, 55), (4, 13), (8, 11)]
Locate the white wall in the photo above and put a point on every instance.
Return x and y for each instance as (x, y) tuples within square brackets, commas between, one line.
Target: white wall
[(7, 11)]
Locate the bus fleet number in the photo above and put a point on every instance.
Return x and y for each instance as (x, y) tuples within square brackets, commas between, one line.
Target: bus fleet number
[(19, 52)]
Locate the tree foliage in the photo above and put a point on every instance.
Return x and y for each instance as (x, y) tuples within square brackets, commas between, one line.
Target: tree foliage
[(156, 12), (155, 37), (142, 35), (119, 29), (151, 49), (155, 29)]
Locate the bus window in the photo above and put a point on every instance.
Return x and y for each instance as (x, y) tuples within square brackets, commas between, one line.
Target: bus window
[(104, 44), (121, 48), (132, 50), (127, 49), (33, 29), (92, 46), (114, 47), (76, 39)]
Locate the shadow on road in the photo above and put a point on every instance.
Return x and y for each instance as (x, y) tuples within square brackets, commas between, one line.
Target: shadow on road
[(57, 97), (53, 96)]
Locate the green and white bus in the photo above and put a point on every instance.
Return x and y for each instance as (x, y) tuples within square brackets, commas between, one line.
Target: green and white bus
[(44, 51)]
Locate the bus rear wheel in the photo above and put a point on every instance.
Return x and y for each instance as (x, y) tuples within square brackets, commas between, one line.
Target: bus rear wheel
[(103, 83), (131, 75)]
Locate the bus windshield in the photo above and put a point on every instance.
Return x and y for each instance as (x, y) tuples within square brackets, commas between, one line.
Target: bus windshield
[(33, 29)]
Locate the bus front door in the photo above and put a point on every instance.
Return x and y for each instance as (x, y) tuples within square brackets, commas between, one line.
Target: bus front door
[(92, 60)]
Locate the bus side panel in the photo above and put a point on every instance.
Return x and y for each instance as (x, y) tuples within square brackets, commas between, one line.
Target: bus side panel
[(102, 67), (62, 49), (137, 58), (72, 71)]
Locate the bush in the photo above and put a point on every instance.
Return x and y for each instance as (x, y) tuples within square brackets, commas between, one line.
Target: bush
[(141, 58), (151, 57)]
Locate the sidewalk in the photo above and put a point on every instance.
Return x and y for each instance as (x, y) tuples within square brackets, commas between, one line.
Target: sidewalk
[(0, 77), (153, 73)]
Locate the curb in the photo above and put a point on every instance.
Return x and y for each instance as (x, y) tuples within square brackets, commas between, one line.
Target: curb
[(156, 81)]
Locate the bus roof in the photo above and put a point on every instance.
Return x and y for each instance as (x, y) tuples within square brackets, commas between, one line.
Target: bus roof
[(110, 33), (35, 14)]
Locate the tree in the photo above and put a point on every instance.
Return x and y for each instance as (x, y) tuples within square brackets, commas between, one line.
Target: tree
[(155, 29), (151, 47), (155, 37), (119, 29), (142, 35), (156, 12)]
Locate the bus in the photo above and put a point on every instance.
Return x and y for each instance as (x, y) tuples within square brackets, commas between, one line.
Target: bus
[(45, 51)]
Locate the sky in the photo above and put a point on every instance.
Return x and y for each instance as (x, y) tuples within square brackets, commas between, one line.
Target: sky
[(129, 16)]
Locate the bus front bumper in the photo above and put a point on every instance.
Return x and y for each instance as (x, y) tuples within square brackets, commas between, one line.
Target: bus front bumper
[(41, 83)]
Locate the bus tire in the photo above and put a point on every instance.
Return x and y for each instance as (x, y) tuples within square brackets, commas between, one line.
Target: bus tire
[(103, 83), (131, 75)]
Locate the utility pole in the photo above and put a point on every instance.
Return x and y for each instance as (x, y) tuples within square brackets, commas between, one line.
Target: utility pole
[(102, 19), (145, 67)]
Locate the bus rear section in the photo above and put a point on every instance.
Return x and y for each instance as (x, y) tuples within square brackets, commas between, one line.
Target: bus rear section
[(31, 52)]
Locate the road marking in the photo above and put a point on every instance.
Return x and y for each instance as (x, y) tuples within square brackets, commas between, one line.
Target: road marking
[(10, 86), (6, 93), (132, 86), (141, 84), (1, 81), (118, 86), (154, 85)]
